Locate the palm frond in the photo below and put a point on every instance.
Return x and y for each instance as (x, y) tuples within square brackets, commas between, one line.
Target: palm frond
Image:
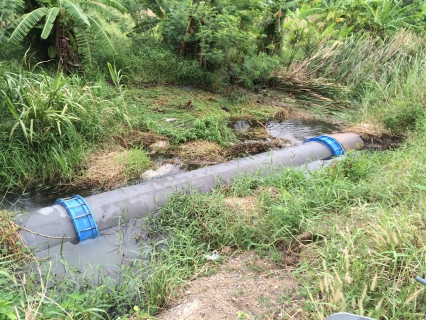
[(26, 24), (83, 44), (50, 20), (113, 4), (76, 13), (99, 8), (101, 35)]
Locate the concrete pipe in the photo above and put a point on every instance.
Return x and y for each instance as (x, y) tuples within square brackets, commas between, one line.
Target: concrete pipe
[(134, 201)]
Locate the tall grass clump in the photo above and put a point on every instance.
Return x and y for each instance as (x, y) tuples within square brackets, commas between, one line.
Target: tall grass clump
[(48, 122), (340, 70), (398, 99), (359, 59)]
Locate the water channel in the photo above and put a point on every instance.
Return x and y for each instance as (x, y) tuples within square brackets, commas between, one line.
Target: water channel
[(294, 130)]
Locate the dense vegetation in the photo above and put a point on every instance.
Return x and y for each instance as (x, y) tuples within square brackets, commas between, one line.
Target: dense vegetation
[(76, 75)]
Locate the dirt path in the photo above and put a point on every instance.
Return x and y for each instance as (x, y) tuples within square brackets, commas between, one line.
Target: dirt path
[(246, 287)]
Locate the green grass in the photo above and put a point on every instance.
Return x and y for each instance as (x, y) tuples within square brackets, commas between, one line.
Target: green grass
[(136, 162)]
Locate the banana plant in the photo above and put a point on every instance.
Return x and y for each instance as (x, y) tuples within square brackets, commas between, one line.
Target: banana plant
[(146, 14), (388, 15), (71, 25), (8, 14)]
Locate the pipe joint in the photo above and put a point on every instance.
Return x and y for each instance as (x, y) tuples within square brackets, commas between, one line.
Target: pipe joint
[(81, 216), (335, 147)]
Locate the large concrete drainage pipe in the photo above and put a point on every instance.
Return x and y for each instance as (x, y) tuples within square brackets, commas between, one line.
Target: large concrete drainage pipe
[(106, 209)]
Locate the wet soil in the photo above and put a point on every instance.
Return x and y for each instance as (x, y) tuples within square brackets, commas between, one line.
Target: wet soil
[(375, 138)]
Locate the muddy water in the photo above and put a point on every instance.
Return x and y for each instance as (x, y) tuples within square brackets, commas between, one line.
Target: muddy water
[(295, 130), (101, 258), (36, 198), (298, 130)]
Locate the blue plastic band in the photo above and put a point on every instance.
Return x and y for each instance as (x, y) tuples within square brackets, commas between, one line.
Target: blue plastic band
[(335, 147), (81, 216)]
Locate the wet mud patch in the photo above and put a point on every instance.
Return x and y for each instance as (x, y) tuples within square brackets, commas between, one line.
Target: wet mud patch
[(255, 139), (375, 138), (245, 287), (254, 147)]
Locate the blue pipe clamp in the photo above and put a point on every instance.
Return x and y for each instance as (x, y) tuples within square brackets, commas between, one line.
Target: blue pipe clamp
[(81, 216), (335, 147)]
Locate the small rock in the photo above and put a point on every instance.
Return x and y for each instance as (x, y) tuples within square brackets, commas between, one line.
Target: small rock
[(170, 119)]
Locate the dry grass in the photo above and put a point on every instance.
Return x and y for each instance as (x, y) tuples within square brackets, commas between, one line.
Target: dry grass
[(282, 115), (134, 138), (247, 208), (106, 169), (202, 152), (11, 240), (289, 113), (300, 85)]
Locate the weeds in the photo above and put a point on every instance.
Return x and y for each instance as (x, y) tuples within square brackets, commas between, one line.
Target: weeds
[(210, 128), (40, 105)]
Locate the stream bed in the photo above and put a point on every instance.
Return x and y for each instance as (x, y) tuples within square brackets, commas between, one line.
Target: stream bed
[(293, 130)]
